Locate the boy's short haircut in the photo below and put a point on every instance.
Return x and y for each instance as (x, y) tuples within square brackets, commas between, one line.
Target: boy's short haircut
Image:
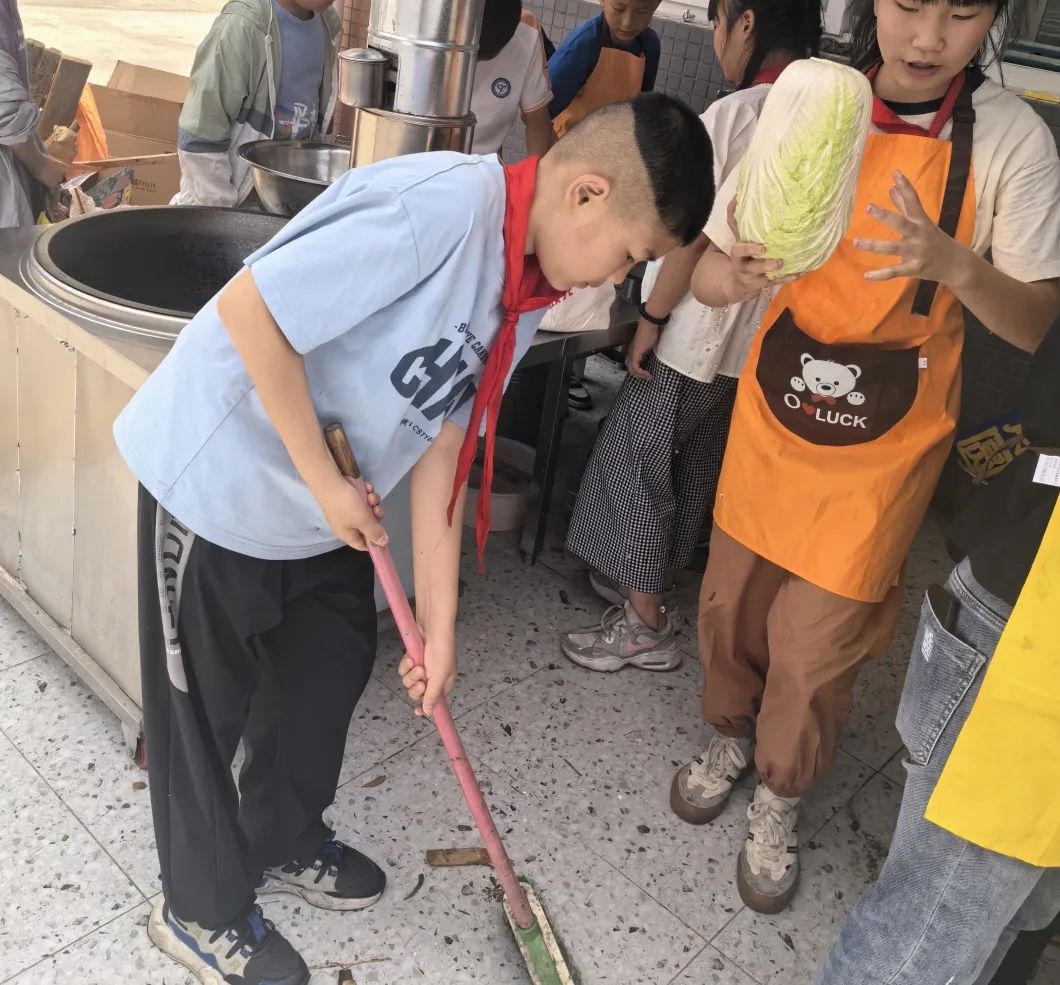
[(675, 151), (500, 19), (679, 159)]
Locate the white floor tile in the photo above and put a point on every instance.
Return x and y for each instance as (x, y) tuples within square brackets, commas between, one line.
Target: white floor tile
[(711, 968), (838, 864), (77, 745), (18, 642), (382, 725), (451, 929), (894, 770), (58, 883), (119, 952)]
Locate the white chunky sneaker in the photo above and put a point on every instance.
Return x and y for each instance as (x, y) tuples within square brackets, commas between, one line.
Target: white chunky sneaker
[(623, 639), (768, 869), (701, 788)]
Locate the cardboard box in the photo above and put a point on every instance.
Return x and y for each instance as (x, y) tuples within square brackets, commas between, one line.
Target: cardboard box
[(149, 82), (140, 112)]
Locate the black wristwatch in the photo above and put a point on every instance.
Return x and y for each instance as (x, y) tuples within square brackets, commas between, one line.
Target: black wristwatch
[(657, 322)]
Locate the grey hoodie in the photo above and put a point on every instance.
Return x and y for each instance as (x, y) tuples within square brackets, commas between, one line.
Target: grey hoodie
[(233, 98), (18, 119)]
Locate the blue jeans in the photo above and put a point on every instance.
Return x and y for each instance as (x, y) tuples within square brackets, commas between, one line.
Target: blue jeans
[(943, 911)]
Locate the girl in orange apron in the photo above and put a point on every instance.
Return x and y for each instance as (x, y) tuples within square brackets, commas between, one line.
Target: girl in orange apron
[(624, 43), (844, 416)]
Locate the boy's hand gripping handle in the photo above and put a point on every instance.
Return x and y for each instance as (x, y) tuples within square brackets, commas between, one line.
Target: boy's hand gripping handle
[(340, 449)]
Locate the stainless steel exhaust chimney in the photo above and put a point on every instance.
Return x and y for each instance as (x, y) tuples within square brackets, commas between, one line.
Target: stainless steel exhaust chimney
[(431, 47)]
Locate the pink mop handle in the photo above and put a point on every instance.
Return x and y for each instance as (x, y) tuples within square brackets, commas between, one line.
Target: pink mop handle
[(411, 636)]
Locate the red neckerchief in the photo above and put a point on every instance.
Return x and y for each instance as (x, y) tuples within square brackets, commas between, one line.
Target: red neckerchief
[(890, 122), (767, 76), (525, 289)]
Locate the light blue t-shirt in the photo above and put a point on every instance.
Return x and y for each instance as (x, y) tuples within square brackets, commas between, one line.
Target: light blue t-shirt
[(301, 72), (389, 284)]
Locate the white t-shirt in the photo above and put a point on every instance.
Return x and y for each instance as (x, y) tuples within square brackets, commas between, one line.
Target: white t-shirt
[(389, 285), (1016, 173), (701, 342), (512, 82)]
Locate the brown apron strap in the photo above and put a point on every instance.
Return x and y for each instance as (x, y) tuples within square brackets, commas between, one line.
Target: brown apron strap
[(956, 183)]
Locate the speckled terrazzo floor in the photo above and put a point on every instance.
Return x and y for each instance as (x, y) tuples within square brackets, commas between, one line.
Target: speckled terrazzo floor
[(577, 768)]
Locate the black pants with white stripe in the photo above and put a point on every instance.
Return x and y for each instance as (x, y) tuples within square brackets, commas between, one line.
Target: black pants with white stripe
[(276, 653)]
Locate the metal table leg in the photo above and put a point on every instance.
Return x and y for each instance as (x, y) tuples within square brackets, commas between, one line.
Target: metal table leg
[(549, 438)]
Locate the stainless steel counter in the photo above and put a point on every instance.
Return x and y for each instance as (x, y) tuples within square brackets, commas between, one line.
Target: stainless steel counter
[(67, 502)]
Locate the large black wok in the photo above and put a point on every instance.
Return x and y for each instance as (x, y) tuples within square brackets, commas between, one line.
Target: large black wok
[(162, 261)]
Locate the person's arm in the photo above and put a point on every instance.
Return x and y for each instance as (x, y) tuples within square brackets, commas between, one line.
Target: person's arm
[(1018, 312), (278, 374), (993, 296), (672, 284), (48, 170), (539, 133), (652, 54), (570, 67), (220, 86), (720, 278), (18, 120), (535, 99), (436, 568)]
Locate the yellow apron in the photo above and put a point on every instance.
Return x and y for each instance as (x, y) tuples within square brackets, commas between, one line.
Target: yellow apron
[(618, 76), (1000, 788)]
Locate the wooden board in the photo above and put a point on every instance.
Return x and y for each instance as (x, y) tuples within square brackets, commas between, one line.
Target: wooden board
[(452, 857), (43, 63), (125, 162), (61, 105)]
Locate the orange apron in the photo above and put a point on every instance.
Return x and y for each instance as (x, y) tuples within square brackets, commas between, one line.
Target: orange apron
[(618, 76), (848, 401)]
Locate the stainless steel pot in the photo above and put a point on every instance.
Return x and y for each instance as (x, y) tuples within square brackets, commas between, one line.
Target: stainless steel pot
[(362, 72), (289, 174), (379, 134), (145, 271), (433, 48)]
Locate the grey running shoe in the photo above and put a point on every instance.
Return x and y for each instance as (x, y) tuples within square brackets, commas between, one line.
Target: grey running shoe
[(250, 952), (701, 789), (768, 869), (622, 639)]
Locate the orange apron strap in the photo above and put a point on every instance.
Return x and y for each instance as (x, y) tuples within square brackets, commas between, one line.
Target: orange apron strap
[(956, 183)]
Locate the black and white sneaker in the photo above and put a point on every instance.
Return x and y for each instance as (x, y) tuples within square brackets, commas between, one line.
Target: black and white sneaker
[(250, 952), (338, 878), (578, 395)]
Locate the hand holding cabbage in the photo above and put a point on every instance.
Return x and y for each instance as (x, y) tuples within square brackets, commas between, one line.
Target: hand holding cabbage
[(796, 184)]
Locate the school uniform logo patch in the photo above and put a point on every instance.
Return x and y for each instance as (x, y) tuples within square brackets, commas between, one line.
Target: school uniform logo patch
[(501, 87), (834, 394)]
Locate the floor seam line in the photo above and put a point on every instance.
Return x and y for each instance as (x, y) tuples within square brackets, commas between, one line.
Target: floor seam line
[(77, 817)]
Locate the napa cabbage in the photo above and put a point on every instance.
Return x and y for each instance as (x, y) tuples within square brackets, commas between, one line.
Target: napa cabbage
[(797, 181)]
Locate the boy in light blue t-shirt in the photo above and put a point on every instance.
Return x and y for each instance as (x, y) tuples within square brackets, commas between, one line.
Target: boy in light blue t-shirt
[(397, 304)]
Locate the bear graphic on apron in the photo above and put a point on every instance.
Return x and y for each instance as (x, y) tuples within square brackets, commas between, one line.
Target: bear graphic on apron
[(848, 402)]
